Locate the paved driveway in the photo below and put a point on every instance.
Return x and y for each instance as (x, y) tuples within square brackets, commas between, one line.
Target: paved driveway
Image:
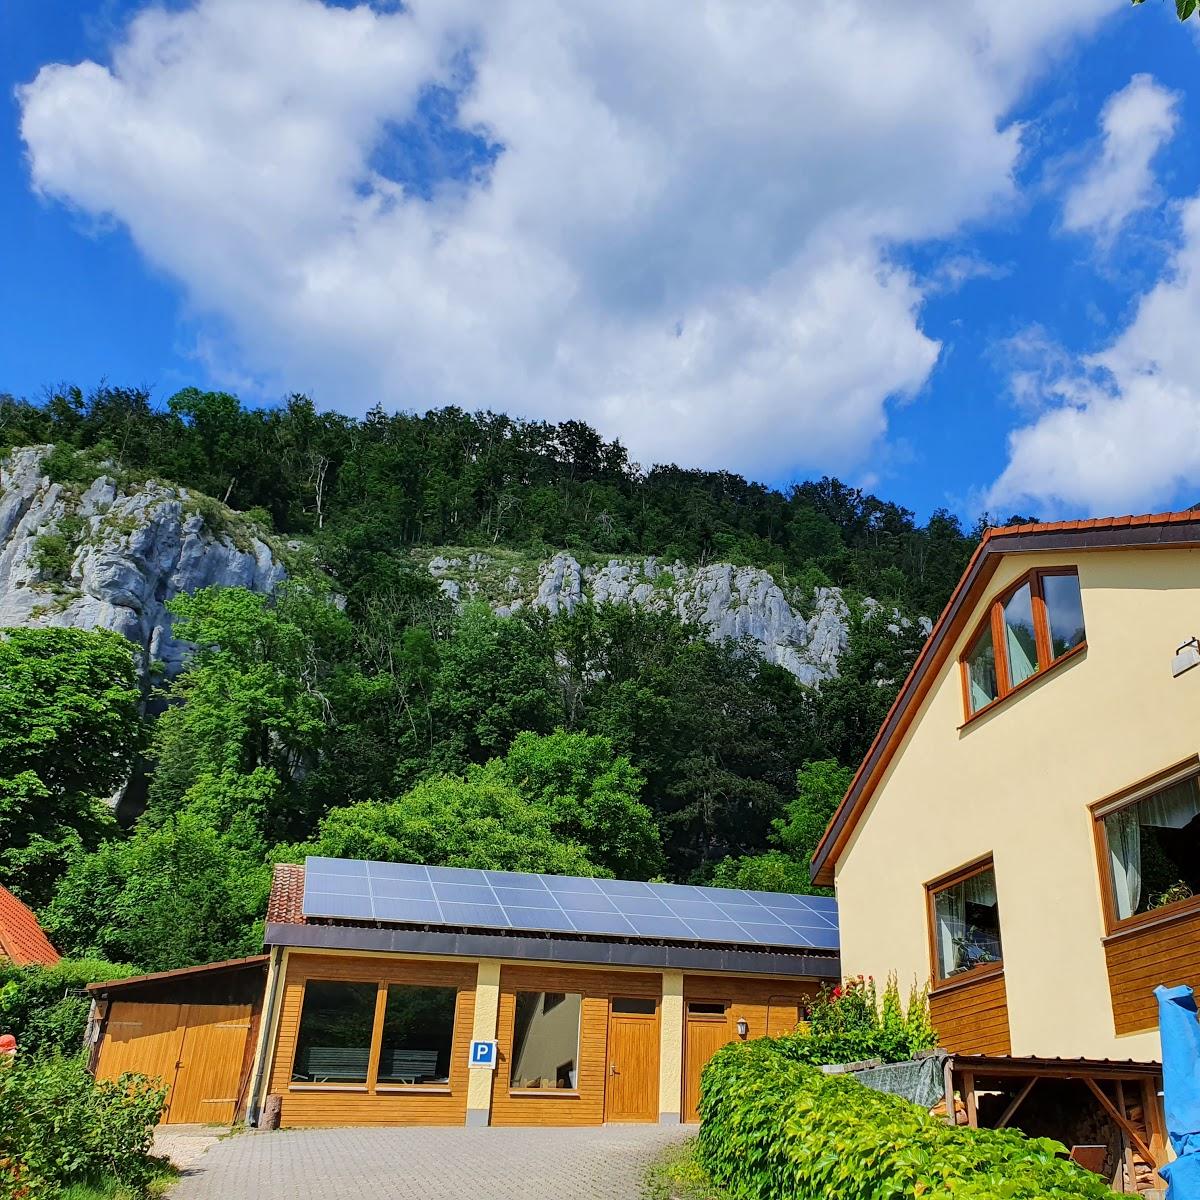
[(605, 1163)]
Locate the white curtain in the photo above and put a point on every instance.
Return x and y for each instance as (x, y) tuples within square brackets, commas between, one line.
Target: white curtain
[(1124, 832), (951, 906), (1173, 808)]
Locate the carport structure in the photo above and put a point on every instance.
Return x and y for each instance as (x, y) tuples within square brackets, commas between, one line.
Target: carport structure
[(1106, 1111)]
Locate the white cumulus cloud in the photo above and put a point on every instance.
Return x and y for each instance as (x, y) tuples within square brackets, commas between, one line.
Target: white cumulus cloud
[(685, 235), (1136, 123), (1120, 430)]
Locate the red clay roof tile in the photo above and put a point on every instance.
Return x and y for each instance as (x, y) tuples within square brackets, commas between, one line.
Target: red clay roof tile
[(22, 941), (286, 903)]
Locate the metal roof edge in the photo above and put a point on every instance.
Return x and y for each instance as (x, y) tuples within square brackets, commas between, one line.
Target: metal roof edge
[(663, 955)]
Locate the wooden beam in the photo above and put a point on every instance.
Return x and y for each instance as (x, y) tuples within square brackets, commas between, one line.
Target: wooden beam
[(1020, 1099), (969, 1096), (1122, 1121)]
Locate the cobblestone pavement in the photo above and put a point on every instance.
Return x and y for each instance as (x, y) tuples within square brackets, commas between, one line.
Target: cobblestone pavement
[(605, 1163)]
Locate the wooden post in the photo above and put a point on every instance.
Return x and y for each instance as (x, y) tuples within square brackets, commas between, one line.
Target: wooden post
[(1128, 1176), (969, 1094), (1010, 1111), (948, 1088)]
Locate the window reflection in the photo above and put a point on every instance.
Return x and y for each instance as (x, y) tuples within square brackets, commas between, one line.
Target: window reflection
[(1064, 612), (1020, 640), (418, 1034), (334, 1041), (546, 1040), (981, 671), (967, 918)]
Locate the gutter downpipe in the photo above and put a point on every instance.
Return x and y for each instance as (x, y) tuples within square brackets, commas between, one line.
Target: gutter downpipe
[(264, 1037)]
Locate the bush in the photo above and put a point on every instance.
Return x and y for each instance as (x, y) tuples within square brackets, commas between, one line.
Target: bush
[(62, 1128), (45, 1008), (777, 1129), (852, 1023)]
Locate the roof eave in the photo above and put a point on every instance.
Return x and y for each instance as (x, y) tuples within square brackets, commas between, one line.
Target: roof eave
[(1172, 531)]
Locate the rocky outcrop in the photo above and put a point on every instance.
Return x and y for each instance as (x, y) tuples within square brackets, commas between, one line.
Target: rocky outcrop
[(102, 556), (804, 632)]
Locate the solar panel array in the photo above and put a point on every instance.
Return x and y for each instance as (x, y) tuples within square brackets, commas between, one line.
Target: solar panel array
[(407, 894)]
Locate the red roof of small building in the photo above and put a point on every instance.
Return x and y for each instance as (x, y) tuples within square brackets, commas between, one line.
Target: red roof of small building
[(286, 904), (22, 941)]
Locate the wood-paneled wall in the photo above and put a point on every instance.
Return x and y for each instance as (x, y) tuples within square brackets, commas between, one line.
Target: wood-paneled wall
[(584, 1105), (1140, 959), (339, 1106), (971, 1017)]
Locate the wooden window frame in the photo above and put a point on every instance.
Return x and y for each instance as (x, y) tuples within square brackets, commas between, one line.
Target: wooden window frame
[(371, 1085), (961, 874), (994, 619), (1115, 926)]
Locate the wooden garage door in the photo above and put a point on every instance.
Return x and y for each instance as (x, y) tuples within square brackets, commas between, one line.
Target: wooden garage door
[(196, 1050)]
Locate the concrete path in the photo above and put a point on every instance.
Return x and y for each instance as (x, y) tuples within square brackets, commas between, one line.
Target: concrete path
[(605, 1163)]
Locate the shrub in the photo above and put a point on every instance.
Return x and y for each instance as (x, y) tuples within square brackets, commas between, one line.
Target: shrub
[(851, 1023), (45, 1008), (61, 1128), (774, 1128)]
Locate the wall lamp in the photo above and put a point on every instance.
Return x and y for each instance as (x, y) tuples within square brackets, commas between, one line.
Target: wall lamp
[(743, 1027), (1186, 657)]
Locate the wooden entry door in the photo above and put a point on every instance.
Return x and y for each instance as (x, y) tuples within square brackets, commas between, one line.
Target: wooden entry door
[(210, 1064), (196, 1050), (631, 1086), (708, 1028)]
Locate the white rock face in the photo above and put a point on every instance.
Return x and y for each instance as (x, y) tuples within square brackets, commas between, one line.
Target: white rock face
[(724, 600), (135, 551)]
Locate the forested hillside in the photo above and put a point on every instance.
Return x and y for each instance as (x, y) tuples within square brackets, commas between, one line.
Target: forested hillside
[(359, 711)]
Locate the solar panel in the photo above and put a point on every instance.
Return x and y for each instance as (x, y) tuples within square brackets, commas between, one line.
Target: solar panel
[(410, 894)]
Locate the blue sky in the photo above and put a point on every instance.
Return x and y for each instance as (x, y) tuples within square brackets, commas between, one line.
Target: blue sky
[(951, 254)]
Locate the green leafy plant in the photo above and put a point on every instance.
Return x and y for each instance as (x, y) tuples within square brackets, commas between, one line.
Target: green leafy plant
[(1183, 8), (774, 1128), (62, 1128), (853, 1023), (45, 1008)]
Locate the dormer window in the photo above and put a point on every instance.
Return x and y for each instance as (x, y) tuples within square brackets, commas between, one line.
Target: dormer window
[(1036, 623)]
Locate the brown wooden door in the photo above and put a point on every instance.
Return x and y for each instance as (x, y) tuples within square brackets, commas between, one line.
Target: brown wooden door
[(210, 1064), (708, 1028), (145, 1038), (631, 1086)]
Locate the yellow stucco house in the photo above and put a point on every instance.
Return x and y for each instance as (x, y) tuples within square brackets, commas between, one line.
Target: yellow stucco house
[(1025, 829)]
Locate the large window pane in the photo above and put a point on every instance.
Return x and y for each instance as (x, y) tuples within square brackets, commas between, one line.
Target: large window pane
[(1064, 612), (418, 1034), (334, 1041), (967, 924), (546, 1040), (1020, 641), (1154, 850), (981, 671)]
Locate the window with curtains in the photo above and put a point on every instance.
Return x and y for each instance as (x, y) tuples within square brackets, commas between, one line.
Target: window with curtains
[(1031, 626), (965, 919), (1152, 850)]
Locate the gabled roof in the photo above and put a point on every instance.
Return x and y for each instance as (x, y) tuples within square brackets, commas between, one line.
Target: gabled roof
[(22, 941), (254, 962), (1155, 531)]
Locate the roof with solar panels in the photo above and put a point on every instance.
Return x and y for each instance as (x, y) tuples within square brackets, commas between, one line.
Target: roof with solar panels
[(350, 904)]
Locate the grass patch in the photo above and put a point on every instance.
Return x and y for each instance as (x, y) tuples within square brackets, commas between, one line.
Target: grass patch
[(678, 1175), (163, 1178)]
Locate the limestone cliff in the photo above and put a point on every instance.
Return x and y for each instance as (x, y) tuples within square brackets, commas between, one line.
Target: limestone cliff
[(102, 555), (804, 631)]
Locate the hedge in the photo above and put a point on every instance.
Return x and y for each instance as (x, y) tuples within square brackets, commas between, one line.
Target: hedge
[(777, 1129), (60, 1127)]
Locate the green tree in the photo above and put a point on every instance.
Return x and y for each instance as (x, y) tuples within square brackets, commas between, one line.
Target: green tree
[(69, 733), (163, 898), (820, 786), (478, 821), (592, 795)]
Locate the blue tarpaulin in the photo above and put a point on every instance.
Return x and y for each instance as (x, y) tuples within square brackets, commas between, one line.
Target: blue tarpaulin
[(1180, 1032)]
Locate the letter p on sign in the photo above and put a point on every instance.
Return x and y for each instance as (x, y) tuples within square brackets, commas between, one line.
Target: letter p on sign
[(483, 1054)]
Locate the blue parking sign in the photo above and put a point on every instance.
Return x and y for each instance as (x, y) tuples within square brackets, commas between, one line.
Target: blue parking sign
[(483, 1054)]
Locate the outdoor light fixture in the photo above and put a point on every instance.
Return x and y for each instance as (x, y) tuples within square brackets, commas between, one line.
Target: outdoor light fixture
[(1186, 657), (743, 1027)]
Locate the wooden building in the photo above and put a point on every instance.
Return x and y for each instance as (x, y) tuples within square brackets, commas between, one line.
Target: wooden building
[(195, 1029), (591, 1000)]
